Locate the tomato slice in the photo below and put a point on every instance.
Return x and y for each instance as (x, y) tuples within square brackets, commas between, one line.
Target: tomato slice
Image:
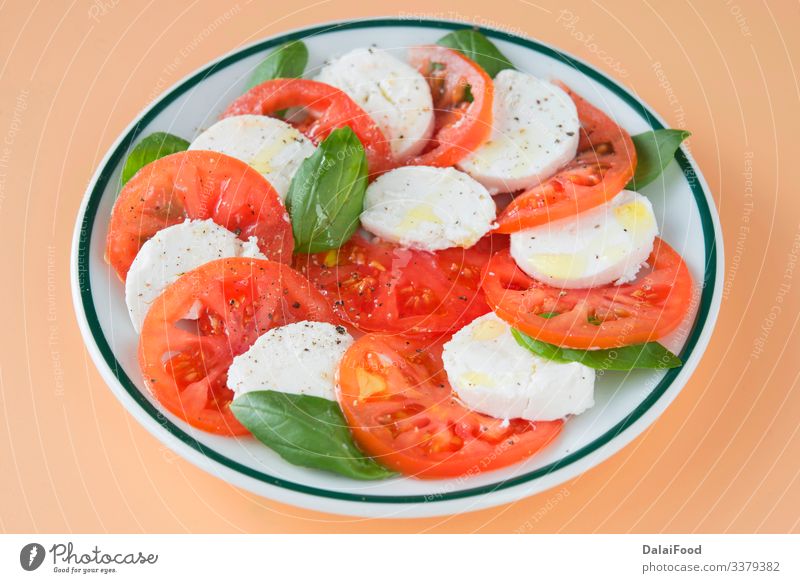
[(402, 411), (330, 109), (185, 362), (461, 125), (604, 164), (197, 185), (609, 316), (380, 287)]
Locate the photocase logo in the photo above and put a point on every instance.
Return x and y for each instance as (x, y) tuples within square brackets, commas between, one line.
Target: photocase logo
[(31, 556)]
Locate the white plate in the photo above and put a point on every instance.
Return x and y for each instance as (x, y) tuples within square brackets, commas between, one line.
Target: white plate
[(626, 403)]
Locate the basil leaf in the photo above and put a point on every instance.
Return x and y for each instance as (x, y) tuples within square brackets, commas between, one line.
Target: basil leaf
[(150, 149), (649, 355), (287, 60), (654, 151), (326, 195), (305, 431), (477, 47), (543, 349)]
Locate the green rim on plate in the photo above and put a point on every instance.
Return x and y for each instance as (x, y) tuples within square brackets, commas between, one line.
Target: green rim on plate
[(107, 171)]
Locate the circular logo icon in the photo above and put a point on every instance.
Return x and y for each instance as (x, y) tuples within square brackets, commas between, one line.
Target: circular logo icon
[(31, 556)]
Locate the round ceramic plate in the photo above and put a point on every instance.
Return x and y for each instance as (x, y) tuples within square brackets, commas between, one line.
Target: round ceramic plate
[(625, 403)]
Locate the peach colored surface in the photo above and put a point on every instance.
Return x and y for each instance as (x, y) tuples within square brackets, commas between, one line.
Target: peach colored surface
[(724, 457)]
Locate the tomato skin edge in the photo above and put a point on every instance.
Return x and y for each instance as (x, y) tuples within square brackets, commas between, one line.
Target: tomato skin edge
[(547, 330), (460, 137), (231, 427), (334, 107), (529, 208), (161, 195), (273, 287), (409, 417), (409, 467)]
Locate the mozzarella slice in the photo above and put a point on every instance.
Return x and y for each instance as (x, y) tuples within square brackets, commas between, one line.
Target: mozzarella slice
[(269, 145), (535, 131), (299, 358), (494, 375), (605, 244), (174, 251), (392, 92), (428, 208)]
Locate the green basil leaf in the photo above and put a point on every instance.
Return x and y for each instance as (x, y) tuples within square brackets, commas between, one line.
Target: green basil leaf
[(326, 195), (650, 355), (287, 60), (543, 349), (305, 431), (654, 151), (150, 149), (477, 47)]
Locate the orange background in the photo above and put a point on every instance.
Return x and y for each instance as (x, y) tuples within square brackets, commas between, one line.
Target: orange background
[(724, 457)]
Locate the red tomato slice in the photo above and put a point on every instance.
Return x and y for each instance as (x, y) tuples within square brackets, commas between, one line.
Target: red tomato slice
[(197, 185), (185, 362), (461, 125), (402, 411), (604, 164), (380, 287), (330, 107), (601, 317)]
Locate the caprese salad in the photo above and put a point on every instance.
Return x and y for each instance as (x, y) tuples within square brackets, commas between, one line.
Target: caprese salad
[(410, 263)]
